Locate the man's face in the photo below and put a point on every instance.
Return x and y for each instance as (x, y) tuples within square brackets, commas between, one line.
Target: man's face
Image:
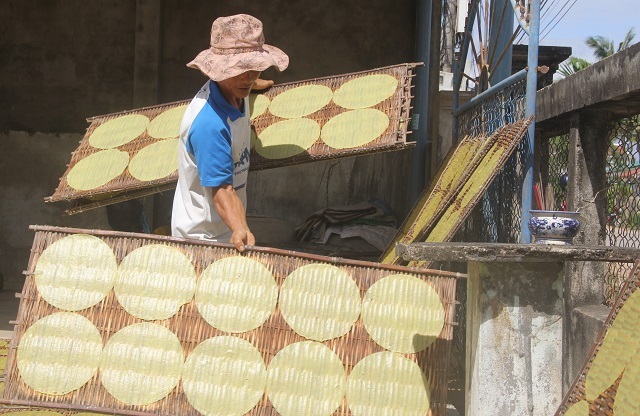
[(238, 87)]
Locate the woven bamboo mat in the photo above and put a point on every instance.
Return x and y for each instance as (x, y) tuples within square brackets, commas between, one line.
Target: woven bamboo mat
[(607, 384), (271, 337), (465, 174), (451, 176), (125, 186)]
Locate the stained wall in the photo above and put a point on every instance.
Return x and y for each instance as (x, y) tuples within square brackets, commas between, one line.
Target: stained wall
[(63, 61)]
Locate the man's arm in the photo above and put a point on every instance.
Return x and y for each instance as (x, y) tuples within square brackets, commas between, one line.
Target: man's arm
[(233, 214)]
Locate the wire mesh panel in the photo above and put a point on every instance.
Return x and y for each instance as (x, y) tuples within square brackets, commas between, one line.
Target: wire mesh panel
[(555, 167), (497, 217), (160, 325), (621, 192), (622, 197)]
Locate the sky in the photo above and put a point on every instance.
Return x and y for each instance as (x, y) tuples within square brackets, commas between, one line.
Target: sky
[(608, 18)]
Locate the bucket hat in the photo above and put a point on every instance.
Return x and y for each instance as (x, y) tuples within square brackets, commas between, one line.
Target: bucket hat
[(237, 45)]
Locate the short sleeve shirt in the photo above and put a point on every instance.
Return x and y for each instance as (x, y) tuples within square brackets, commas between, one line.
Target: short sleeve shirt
[(213, 151)]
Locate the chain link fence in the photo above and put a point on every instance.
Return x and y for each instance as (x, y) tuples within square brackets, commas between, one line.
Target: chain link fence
[(498, 215), (622, 191), (622, 197)]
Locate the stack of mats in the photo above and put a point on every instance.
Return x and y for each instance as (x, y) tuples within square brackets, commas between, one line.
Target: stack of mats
[(134, 324), (464, 175)]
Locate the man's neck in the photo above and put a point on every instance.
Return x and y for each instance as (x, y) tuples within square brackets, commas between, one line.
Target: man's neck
[(231, 98)]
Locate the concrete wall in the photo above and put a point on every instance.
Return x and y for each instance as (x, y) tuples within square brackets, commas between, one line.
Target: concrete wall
[(63, 61), (514, 338), (30, 168)]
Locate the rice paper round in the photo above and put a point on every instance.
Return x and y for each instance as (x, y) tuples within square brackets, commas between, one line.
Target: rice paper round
[(236, 294), (626, 402), (118, 131), (320, 301), (365, 91), (287, 138), (300, 101), (354, 128), (166, 125), (76, 272), (154, 281), (402, 313), (224, 375), (59, 353), (141, 363), (258, 103), (386, 383), (306, 378), (155, 161), (97, 169)]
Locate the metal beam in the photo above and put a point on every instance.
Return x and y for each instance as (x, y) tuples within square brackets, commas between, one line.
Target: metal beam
[(532, 87)]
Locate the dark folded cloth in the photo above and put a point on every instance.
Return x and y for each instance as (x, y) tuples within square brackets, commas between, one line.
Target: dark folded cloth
[(360, 213)]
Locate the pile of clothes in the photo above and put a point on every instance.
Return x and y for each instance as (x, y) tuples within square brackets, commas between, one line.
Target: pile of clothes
[(373, 221)]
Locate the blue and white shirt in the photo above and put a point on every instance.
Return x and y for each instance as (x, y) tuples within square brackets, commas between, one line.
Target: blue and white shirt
[(213, 150)]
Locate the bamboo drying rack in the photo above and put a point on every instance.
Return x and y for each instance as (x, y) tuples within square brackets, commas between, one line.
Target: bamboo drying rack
[(604, 404), (108, 317), (126, 187)]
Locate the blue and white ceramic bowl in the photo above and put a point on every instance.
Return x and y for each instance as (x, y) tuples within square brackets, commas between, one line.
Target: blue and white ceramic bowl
[(554, 227)]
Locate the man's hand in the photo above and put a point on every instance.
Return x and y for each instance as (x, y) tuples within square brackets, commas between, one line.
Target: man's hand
[(261, 84), (231, 210), (242, 237)]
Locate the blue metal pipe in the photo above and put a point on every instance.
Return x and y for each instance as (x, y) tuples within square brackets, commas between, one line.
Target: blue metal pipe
[(500, 40), (420, 101), (460, 63), (515, 78), (532, 84)]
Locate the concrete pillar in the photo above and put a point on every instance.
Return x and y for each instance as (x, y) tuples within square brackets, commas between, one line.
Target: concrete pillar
[(588, 143), (514, 338)]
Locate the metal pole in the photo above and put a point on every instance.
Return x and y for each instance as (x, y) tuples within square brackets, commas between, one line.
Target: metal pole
[(500, 39), (460, 63), (517, 77), (532, 82), (421, 101)]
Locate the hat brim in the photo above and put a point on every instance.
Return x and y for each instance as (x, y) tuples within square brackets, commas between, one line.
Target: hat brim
[(219, 67)]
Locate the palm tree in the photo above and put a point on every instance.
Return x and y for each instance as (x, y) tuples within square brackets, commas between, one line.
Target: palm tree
[(572, 65), (602, 47)]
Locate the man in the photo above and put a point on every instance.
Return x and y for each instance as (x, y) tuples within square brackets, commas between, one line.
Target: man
[(213, 154)]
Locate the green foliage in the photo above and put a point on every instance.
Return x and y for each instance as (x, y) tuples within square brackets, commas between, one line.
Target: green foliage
[(572, 65), (602, 48)]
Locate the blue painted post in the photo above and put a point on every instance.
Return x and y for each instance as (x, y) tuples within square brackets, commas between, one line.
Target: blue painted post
[(459, 64), (500, 39), (532, 83), (421, 101)]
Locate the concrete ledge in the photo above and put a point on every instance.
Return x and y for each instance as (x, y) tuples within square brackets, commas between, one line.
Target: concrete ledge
[(540, 253), (611, 83), (588, 321)]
